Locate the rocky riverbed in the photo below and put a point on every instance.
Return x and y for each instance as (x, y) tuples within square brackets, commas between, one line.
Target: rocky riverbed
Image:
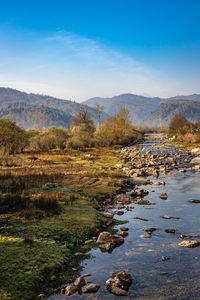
[(153, 251)]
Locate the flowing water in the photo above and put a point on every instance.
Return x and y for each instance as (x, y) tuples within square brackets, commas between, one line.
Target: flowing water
[(142, 256)]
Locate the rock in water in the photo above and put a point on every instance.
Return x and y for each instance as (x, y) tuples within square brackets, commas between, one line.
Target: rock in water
[(194, 201), (149, 230), (104, 237), (123, 228), (70, 290), (122, 233), (119, 283), (80, 281), (166, 217), (165, 258), (189, 243), (90, 288), (164, 196), (118, 291), (170, 230)]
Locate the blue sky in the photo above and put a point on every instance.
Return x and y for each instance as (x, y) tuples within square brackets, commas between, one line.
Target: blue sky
[(77, 49)]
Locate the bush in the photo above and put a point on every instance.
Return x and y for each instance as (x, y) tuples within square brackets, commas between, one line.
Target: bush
[(177, 122), (48, 139)]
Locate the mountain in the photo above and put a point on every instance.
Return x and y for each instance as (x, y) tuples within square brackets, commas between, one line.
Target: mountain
[(139, 106), (163, 114), (28, 116), (62, 108), (194, 97)]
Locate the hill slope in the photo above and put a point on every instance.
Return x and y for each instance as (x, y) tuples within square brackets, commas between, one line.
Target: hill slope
[(28, 116), (8, 97), (165, 111), (139, 106)]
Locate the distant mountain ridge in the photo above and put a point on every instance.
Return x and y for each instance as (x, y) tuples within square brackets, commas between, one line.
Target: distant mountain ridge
[(146, 110), (139, 106), (163, 114), (143, 110)]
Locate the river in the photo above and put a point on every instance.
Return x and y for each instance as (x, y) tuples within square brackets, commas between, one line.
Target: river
[(176, 278)]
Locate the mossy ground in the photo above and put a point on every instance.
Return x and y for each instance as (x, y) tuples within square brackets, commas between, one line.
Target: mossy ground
[(37, 243)]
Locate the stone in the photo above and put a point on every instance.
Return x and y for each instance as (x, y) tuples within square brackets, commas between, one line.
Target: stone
[(51, 184), (155, 174), (166, 217), (123, 228), (143, 236), (142, 219), (194, 201), (195, 160), (122, 233), (79, 254), (182, 170), (41, 297), (117, 240), (108, 247), (118, 291), (149, 229), (170, 230), (119, 212), (70, 290), (109, 222), (157, 183), (80, 281), (108, 214), (88, 242), (195, 151), (162, 183), (119, 279), (143, 202), (165, 258), (183, 236), (104, 237), (90, 288), (163, 196), (189, 243), (162, 273)]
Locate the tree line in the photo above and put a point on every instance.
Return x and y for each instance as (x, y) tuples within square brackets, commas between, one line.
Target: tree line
[(116, 130)]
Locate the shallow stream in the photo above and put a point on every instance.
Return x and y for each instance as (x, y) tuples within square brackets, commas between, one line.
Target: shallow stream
[(142, 256)]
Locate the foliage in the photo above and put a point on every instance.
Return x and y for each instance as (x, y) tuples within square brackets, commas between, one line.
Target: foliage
[(82, 131), (52, 138), (117, 130), (12, 138), (177, 122)]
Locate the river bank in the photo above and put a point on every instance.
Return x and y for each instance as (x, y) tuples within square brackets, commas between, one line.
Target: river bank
[(51, 204), (160, 217)]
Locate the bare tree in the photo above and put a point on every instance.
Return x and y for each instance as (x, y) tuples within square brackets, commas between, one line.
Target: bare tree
[(98, 109)]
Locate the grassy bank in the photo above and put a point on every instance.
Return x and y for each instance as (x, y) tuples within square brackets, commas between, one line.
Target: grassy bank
[(42, 227)]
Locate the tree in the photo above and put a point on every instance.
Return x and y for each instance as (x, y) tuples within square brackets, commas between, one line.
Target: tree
[(82, 117), (12, 138), (98, 109), (177, 122), (116, 130), (81, 130)]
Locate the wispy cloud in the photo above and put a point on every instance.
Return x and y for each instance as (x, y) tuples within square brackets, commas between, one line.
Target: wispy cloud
[(68, 65)]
